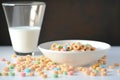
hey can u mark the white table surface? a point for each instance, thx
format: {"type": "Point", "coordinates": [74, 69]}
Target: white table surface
{"type": "Point", "coordinates": [113, 57]}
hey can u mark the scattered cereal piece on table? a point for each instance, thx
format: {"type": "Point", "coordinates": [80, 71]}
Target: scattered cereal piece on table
{"type": "Point", "coordinates": [60, 72]}
{"type": "Point", "coordinates": [40, 72]}
{"type": "Point", "coordinates": [22, 74]}
{"type": "Point", "coordinates": [71, 68]}
{"type": "Point", "coordinates": [3, 59]}
{"type": "Point", "coordinates": [93, 74]}
{"type": "Point", "coordinates": [0, 74]}
{"type": "Point", "coordinates": [14, 56]}
{"type": "Point", "coordinates": [118, 71]}
{"type": "Point", "coordinates": [18, 69]}
{"type": "Point", "coordinates": [102, 65]}
{"type": "Point", "coordinates": [27, 70]}
{"type": "Point", "coordinates": [11, 74]}
{"type": "Point", "coordinates": [98, 68]}
{"type": "Point", "coordinates": [55, 75]}
{"type": "Point", "coordinates": [11, 67]}
{"type": "Point", "coordinates": [12, 64]}
{"type": "Point", "coordinates": [56, 68]}
{"type": "Point", "coordinates": [55, 72]}
{"type": "Point", "coordinates": [103, 73]}
{"type": "Point", "coordinates": [96, 71]}
{"type": "Point", "coordinates": [87, 72]}
{"type": "Point", "coordinates": [70, 73]}
{"type": "Point", "coordinates": [103, 70]}
{"type": "Point", "coordinates": [116, 64]}
{"type": "Point", "coordinates": [8, 62]}
{"type": "Point", "coordinates": [52, 67]}
{"type": "Point", "coordinates": [6, 69]}
{"type": "Point", "coordinates": [4, 73]}
{"type": "Point", "coordinates": [64, 73]}
{"type": "Point", "coordinates": [111, 67]}
{"type": "Point", "coordinates": [31, 74]}
{"type": "Point", "coordinates": [79, 68]}
{"type": "Point", "coordinates": [43, 76]}
{"type": "Point", "coordinates": [29, 65]}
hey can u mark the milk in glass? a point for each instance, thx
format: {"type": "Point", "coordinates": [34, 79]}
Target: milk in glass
{"type": "Point", "coordinates": [24, 39]}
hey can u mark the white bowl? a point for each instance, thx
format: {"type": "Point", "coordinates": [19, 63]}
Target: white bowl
{"type": "Point", "coordinates": [75, 58]}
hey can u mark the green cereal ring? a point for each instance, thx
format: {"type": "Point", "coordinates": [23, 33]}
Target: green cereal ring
{"type": "Point", "coordinates": [53, 62]}
{"type": "Point", "coordinates": [64, 73]}
{"type": "Point", "coordinates": [0, 74]}
{"type": "Point", "coordinates": [11, 74]}
{"type": "Point", "coordinates": [37, 62]}
{"type": "Point", "coordinates": [59, 46]}
{"type": "Point", "coordinates": [11, 67]}
{"type": "Point", "coordinates": [96, 71]}
{"type": "Point", "coordinates": [88, 45]}
{"type": "Point", "coordinates": [55, 75]}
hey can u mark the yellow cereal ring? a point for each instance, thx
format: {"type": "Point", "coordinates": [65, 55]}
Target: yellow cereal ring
{"type": "Point", "coordinates": [53, 46]}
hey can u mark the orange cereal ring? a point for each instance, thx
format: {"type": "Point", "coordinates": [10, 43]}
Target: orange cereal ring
{"type": "Point", "coordinates": [6, 69]}
{"type": "Point", "coordinates": [43, 76]}
{"type": "Point", "coordinates": [82, 47]}
{"type": "Point", "coordinates": [4, 73]}
{"type": "Point", "coordinates": [93, 48]}
{"type": "Point", "coordinates": [76, 47]}
{"type": "Point", "coordinates": [93, 74]}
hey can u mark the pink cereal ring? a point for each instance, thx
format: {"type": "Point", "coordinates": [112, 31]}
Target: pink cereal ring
{"type": "Point", "coordinates": [63, 49]}
{"type": "Point", "coordinates": [17, 62]}
{"type": "Point", "coordinates": [3, 59]}
{"type": "Point", "coordinates": [70, 73]}
{"type": "Point", "coordinates": [52, 67]}
{"type": "Point", "coordinates": [22, 74]}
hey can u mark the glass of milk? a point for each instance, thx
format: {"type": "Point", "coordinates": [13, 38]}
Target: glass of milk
{"type": "Point", "coordinates": [24, 20]}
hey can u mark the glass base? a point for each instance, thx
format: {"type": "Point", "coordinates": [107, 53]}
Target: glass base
{"type": "Point", "coordinates": [23, 54]}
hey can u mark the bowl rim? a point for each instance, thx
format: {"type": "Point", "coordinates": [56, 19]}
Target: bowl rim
{"type": "Point", "coordinates": [68, 52]}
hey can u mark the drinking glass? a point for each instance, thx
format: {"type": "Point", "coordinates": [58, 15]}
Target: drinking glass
{"type": "Point", "coordinates": [24, 20]}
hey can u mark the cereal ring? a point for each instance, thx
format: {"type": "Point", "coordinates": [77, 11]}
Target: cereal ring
{"type": "Point", "coordinates": [6, 69]}
{"type": "Point", "coordinates": [76, 47]}
{"type": "Point", "coordinates": [111, 67]}
{"type": "Point", "coordinates": [31, 74]}
{"type": "Point", "coordinates": [53, 46]}
{"type": "Point", "coordinates": [116, 64]}
{"type": "Point", "coordinates": [3, 59]}
{"type": "Point", "coordinates": [43, 76]}
{"type": "Point", "coordinates": [70, 73]}
{"type": "Point", "coordinates": [82, 47]}
{"type": "Point", "coordinates": [11, 74]}
{"type": "Point", "coordinates": [8, 62]}
{"type": "Point", "coordinates": [93, 74]}
{"type": "Point", "coordinates": [55, 75]}
{"type": "Point", "coordinates": [4, 73]}
{"type": "Point", "coordinates": [103, 73]}
{"type": "Point", "coordinates": [22, 74]}
{"type": "Point", "coordinates": [118, 71]}
{"type": "Point", "coordinates": [69, 48]}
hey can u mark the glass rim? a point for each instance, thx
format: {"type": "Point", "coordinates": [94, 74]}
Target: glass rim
{"type": "Point", "coordinates": [23, 3]}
